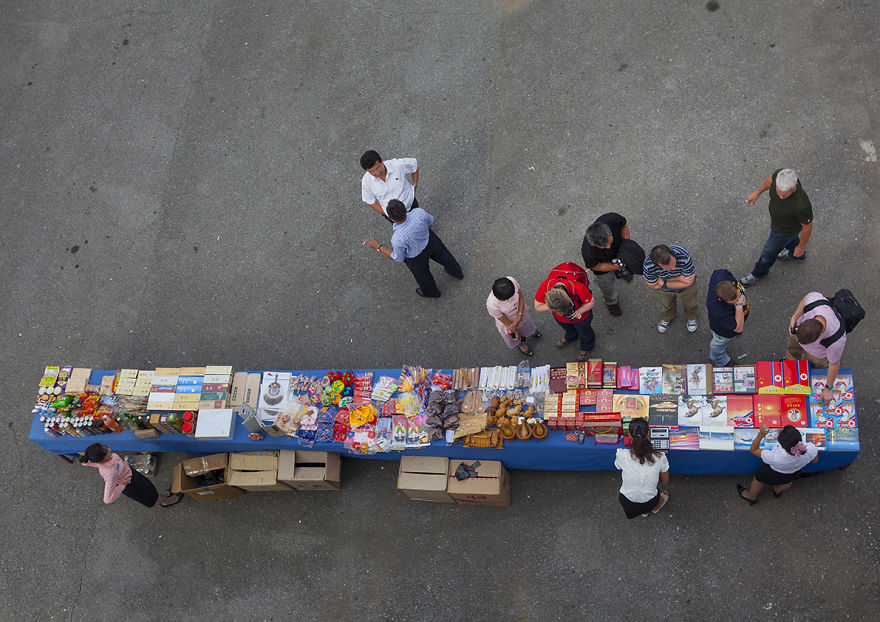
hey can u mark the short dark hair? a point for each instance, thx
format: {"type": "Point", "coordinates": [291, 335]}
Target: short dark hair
{"type": "Point", "coordinates": [726, 291]}
{"type": "Point", "coordinates": [789, 436]}
{"type": "Point", "coordinates": [661, 254]}
{"type": "Point", "coordinates": [809, 331]}
{"type": "Point", "coordinates": [396, 210]}
{"type": "Point", "coordinates": [369, 159]}
{"type": "Point", "coordinates": [598, 234]}
{"type": "Point", "coordinates": [503, 288]}
{"type": "Point", "coordinates": [96, 452]}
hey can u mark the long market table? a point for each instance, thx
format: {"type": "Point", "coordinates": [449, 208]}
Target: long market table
{"type": "Point", "coordinates": [552, 454]}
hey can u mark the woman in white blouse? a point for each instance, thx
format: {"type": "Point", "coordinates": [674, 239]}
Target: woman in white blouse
{"type": "Point", "coordinates": [642, 468]}
{"type": "Point", "coordinates": [782, 464]}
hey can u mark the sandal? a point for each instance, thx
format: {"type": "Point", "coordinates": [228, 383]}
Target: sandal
{"type": "Point", "coordinates": [739, 491]}
{"type": "Point", "coordinates": [528, 351]}
{"type": "Point", "coordinates": [583, 355]}
{"type": "Point", "coordinates": [562, 343]}
{"type": "Point", "coordinates": [537, 335]}
{"type": "Point", "coordinates": [664, 497]}
{"type": "Point", "coordinates": [178, 496]}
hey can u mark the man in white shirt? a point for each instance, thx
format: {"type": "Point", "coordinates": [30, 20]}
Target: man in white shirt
{"type": "Point", "coordinates": [386, 180]}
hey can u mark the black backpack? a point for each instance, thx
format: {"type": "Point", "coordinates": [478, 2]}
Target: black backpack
{"type": "Point", "coordinates": [847, 309]}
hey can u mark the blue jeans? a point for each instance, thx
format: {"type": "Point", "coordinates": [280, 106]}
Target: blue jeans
{"type": "Point", "coordinates": [718, 350]}
{"type": "Point", "coordinates": [774, 244]}
{"type": "Point", "coordinates": [583, 329]}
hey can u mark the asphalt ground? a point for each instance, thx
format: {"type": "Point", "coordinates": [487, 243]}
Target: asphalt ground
{"type": "Point", "coordinates": [180, 185]}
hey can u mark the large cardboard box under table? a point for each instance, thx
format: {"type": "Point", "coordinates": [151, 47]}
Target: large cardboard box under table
{"type": "Point", "coordinates": [309, 470]}
{"type": "Point", "coordinates": [490, 487]}
{"type": "Point", "coordinates": [255, 471]}
{"type": "Point", "coordinates": [423, 478]}
{"type": "Point", "coordinates": [184, 478]}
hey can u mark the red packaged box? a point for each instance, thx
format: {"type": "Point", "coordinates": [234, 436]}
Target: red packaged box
{"type": "Point", "coordinates": [594, 373]}
{"type": "Point", "coordinates": [605, 400]}
{"type": "Point", "coordinates": [587, 397]}
{"type": "Point", "coordinates": [768, 377]}
{"type": "Point", "coordinates": [794, 411]}
{"type": "Point", "coordinates": [796, 377]}
{"type": "Point", "coordinates": [623, 377]}
{"type": "Point", "coordinates": [601, 422]}
{"type": "Point", "coordinates": [768, 411]}
{"type": "Point", "coordinates": [740, 411]}
{"type": "Point", "coordinates": [609, 375]}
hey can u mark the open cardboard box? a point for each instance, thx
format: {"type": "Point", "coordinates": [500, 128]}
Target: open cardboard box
{"type": "Point", "coordinates": [423, 478]}
{"type": "Point", "coordinates": [255, 471]}
{"type": "Point", "coordinates": [183, 478]}
{"type": "Point", "coordinates": [309, 470]}
{"type": "Point", "coordinates": [490, 487]}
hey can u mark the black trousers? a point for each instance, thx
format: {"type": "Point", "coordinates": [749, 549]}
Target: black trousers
{"type": "Point", "coordinates": [421, 271]}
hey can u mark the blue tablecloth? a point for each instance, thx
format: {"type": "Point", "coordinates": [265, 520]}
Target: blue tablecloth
{"type": "Point", "coordinates": [552, 454]}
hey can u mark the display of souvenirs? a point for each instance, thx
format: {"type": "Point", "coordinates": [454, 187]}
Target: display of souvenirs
{"type": "Point", "coordinates": [674, 379]}
{"type": "Point", "coordinates": [842, 391]}
{"type": "Point", "coordinates": [718, 439]}
{"type": "Point", "coordinates": [740, 411]}
{"type": "Point", "coordinates": [768, 411]}
{"type": "Point", "coordinates": [609, 375]}
{"type": "Point", "coordinates": [722, 380]}
{"type": "Point", "coordinates": [768, 377]}
{"type": "Point", "coordinates": [594, 373]}
{"type": "Point", "coordinates": [715, 412]}
{"type": "Point", "coordinates": [796, 377]}
{"type": "Point", "coordinates": [690, 409]}
{"type": "Point", "coordinates": [587, 397]}
{"type": "Point", "coordinates": [743, 378]}
{"type": "Point", "coordinates": [605, 400]}
{"type": "Point", "coordinates": [623, 377]}
{"type": "Point", "coordinates": [794, 411]}
{"type": "Point", "coordinates": [699, 379]}
{"type": "Point", "coordinates": [683, 437]}
{"type": "Point", "coordinates": [817, 436]}
{"type": "Point", "coordinates": [841, 416]}
{"type": "Point", "coordinates": [841, 439]}
{"type": "Point", "coordinates": [630, 406]}
{"type": "Point", "coordinates": [650, 380]}
{"type": "Point", "coordinates": [663, 409]}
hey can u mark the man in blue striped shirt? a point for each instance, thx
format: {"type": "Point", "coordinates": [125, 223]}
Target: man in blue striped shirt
{"type": "Point", "coordinates": [413, 243]}
{"type": "Point", "coordinates": [670, 271]}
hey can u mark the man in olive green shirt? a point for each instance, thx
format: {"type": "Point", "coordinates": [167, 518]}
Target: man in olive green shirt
{"type": "Point", "coordinates": [791, 223]}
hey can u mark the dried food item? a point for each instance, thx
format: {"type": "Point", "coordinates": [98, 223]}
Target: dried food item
{"type": "Point", "coordinates": [436, 434]}
{"type": "Point", "coordinates": [435, 421]}
{"type": "Point", "coordinates": [451, 409]}
{"type": "Point", "coordinates": [451, 421]}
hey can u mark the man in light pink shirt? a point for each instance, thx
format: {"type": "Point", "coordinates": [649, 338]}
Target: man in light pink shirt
{"type": "Point", "coordinates": [816, 335]}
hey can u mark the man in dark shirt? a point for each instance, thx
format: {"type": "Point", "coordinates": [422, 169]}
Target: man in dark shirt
{"type": "Point", "coordinates": [728, 309]}
{"type": "Point", "coordinates": [610, 253]}
{"type": "Point", "coordinates": [791, 223]}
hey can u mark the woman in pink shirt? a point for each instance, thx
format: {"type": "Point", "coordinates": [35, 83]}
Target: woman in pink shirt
{"type": "Point", "coordinates": [120, 479]}
{"type": "Point", "coordinates": [507, 305]}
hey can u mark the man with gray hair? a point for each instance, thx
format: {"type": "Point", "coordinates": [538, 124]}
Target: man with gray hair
{"type": "Point", "coordinates": [791, 223]}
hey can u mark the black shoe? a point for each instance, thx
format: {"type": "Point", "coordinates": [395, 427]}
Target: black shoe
{"type": "Point", "coordinates": [741, 489]}
{"type": "Point", "coordinates": [424, 295]}
{"type": "Point", "coordinates": [458, 276]}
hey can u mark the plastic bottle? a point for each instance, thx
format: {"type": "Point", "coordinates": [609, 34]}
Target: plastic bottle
{"type": "Point", "coordinates": [111, 424]}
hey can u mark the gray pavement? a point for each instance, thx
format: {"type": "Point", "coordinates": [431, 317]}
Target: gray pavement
{"type": "Point", "coordinates": [180, 185]}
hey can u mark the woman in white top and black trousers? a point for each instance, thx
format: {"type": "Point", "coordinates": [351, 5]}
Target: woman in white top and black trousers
{"type": "Point", "coordinates": [782, 464]}
{"type": "Point", "coordinates": [642, 468]}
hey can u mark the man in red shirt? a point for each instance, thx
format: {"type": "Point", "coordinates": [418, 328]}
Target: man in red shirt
{"type": "Point", "coordinates": [565, 292]}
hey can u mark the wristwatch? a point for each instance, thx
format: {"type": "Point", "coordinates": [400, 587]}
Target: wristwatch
{"type": "Point", "coordinates": [379, 248]}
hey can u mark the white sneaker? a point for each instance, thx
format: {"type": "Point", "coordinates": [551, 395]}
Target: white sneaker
{"type": "Point", "coordinates": [692, 326]}
{"type": "Point", "coordinates": [662, 327]}
{"type": "Point", "coordinates": [749, 280]}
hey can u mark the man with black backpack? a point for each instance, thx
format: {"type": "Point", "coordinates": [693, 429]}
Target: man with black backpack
{"type": "Point", "coordinates": [610, 253]}
{"type": "Point", "coordinates": [817, 332]}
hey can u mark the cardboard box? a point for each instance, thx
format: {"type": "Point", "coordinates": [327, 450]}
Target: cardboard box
{"type": "Point", "coordinates": [490, 487]}
{"type": "Point", "coordinates": [252, 390]}
{"type": "Point", "coordinates": [309, 470]}
{"type": "Point", "coordinates": [236, 394]}
{"type": "Point", "coordinates": [255, 471]}
{"type": "Point", "coordinates": [423, 478]}
{"type": "Point", "coordinates": [183, 478]}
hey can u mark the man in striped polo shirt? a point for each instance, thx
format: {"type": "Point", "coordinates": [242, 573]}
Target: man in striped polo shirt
{"type": "Point", "coordinates": [670, 271]}
{"type": "Point", "coordinates": [413, 243]}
